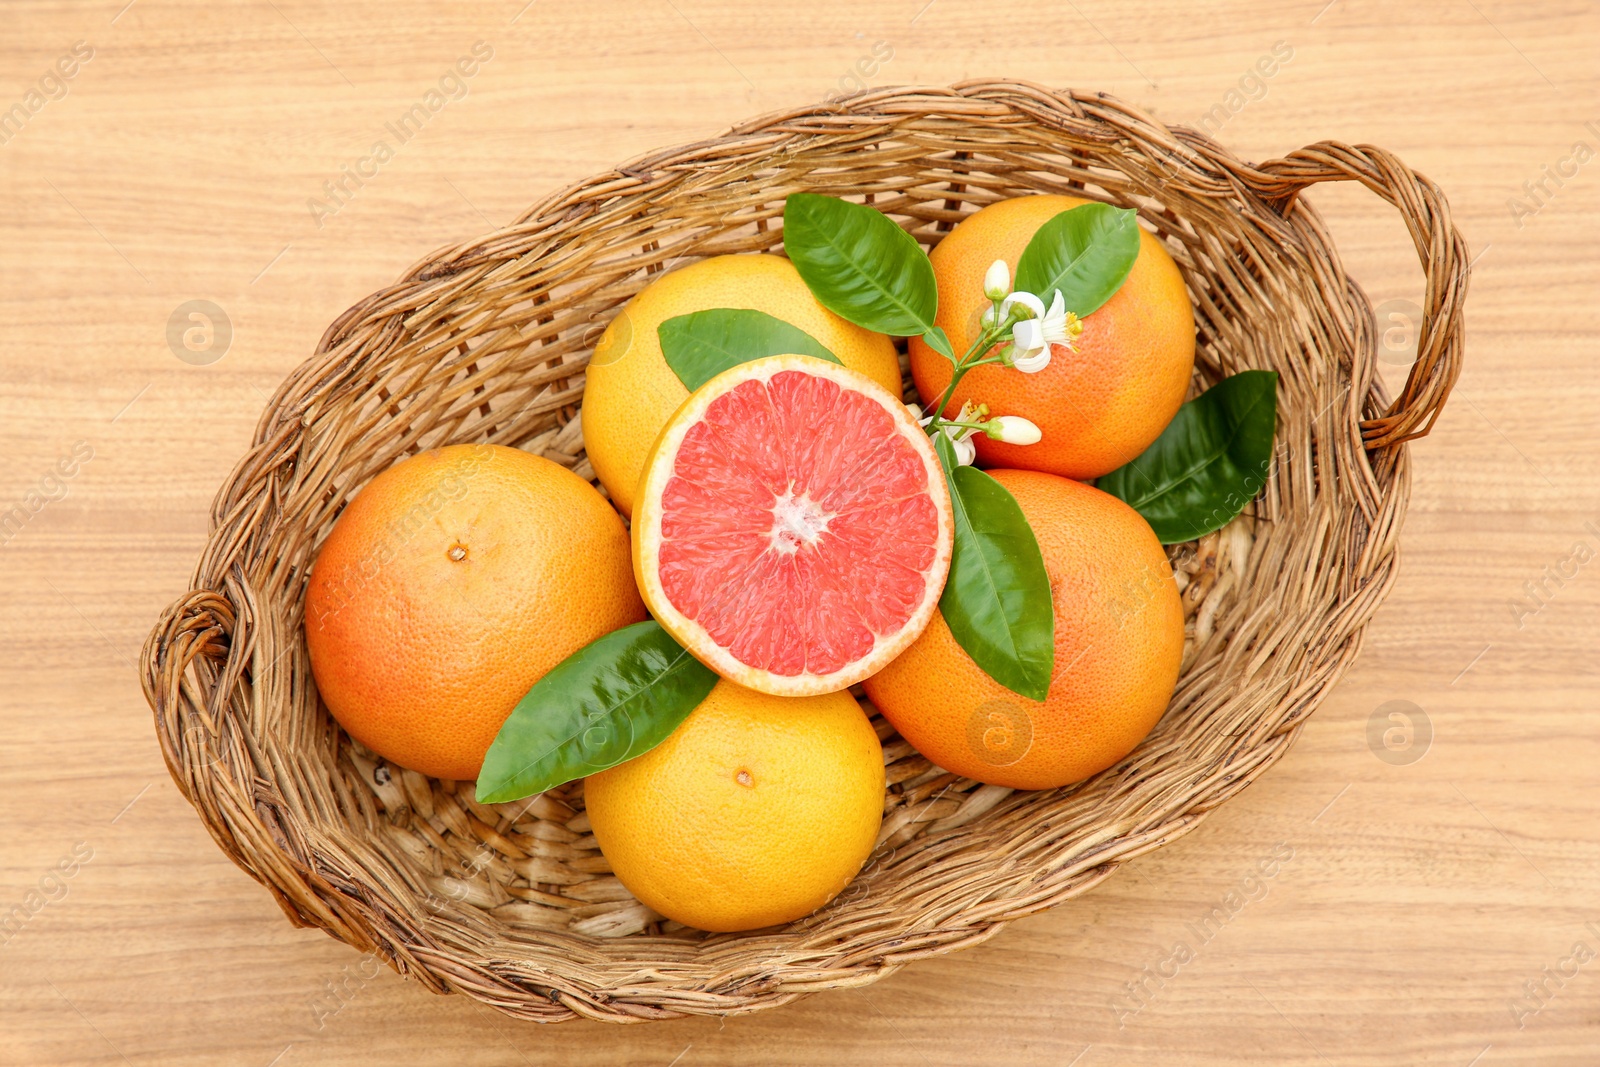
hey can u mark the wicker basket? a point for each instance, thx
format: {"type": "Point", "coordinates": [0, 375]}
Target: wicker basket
{"type": "Point", "coordinates": [487, 341]}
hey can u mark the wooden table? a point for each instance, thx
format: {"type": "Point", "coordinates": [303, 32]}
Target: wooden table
{"type": "Point", "coordinates": [1420, 899]}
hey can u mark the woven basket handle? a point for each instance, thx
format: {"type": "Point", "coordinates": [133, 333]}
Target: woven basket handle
{"type": "Point", "coordinates": [1440, 246]}
{"type": "Point", "coordinates": [198, 625]}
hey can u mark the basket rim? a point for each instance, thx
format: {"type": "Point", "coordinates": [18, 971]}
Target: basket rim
{"type": "Point", "coordinates": [200, 625]}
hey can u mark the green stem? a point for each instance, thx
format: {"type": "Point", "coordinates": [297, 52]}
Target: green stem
{"type": "Point", "coordinates": [986, 340]}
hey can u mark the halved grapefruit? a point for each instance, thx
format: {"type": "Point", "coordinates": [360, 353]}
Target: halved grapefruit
{"type": "Point", "coordinates": [792, 528]}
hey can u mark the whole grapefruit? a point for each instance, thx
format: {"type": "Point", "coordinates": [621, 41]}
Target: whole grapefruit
{"type": "Point", "coordinates": [630, 391]}
{"type": "Point", "coordinates": [1118, 645]}
{"type": "Point", "coordinates": [1097, 407]}
{"type": "Point", "coordinates": [450, 584]}
{"type": "Point", "coordinates": [757, 810]}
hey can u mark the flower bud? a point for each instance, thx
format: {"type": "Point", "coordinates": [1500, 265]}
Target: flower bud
{"type": "Point", "coordinates": [997, 280]}
{"type": "Point", "coordinates": [1014, 430]}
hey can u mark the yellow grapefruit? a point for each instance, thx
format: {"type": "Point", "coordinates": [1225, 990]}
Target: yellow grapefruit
{"type": "Point", "coordinates": [757, 810]}
{"type": "Point", "coordinates": [630, 392]}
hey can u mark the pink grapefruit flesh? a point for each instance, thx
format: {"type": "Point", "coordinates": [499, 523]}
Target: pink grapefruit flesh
{"type": "Point", "coordinates": [792, 527]}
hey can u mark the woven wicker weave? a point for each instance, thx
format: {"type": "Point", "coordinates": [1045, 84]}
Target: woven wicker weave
{"type": "Point", "coordinates": [513, 904]}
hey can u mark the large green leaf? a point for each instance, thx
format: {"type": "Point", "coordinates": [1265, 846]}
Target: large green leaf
{"type": "Point", "coordinates": [1210, 461]}
{"type": "Point", "coordinates": [997, 598]}
{"type": "Point", "coordinates": [614, 699]}
{"type": "Point", "coordinates": [861, 266]}
{"type": "Point", "coordinates": [701, 345]}
{"type": "Point", "coordinates": [1086, 252]}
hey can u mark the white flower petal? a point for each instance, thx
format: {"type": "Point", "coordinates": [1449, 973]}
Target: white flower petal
{"type": "Point", "coordinates": [1028, 335]}
{"type": "Point", "coordinates": [1055, 319]}
{"type": "Point", "coordinates": [966, 452]}
{"type": "Point", "coordinates": [1030, 347]}
{"type": "Point", "coordinates": [1027, 300]}
{"type": "Point", "coordinates": [1033, 362]}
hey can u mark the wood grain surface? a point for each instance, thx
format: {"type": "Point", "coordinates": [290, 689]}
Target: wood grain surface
{"type": "Point", "coordinates": [1432, 901]}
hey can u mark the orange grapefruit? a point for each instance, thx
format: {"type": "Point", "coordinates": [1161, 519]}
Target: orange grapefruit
{"type": "Point", "coordinates": [630, 392]}
{"type": "Point", "coordinates": [1097, 407]}
{"type": "Point", "coordinates": [1118, 644]}
{"type": "Point", "coordinates": [450, 584]}
{"type": "Point", "coordinates": [756, 810]}
{"type": "Point", "coordinates": [792, 528]}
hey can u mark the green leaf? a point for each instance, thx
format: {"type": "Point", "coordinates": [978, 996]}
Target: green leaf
{"type": "Point", "coordinates": [701, 345]}
{"type": "Point", "coordinates": [614, 699]}
{"type": "Point", "coordinates": [997, 599]}
{"type": "Point", "coordinates": [1210, 461]}
{"type": "Point", "coordinates": [860, 265]}
{"type": "Point", "coordinates": [1086, 252]}
{"type": "Point", "coordinates": [939, 341]}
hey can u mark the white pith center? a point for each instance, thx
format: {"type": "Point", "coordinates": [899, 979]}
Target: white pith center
{"type": "Point", "coordinates": [797, 521]}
